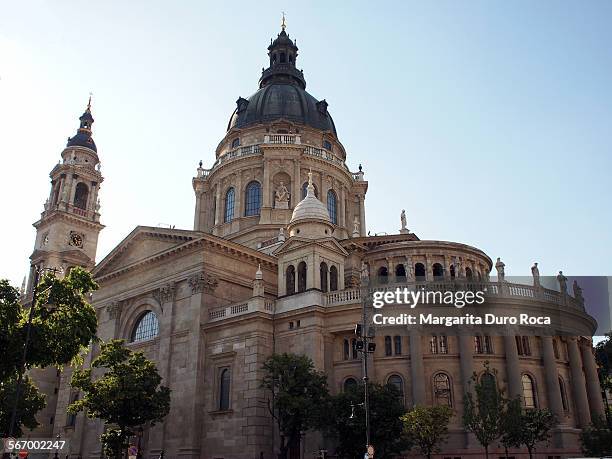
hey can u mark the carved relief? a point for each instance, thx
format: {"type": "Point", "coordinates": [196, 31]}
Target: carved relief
{"type": "Point", "coordinates": [165, 293]}
{"type": "Point", "coordinates": [114, 310]}
{"type": "Point", "coordinates": [203, 282]}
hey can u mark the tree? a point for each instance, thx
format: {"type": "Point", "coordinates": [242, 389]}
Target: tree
{"type": "Point", "coordinates": [596, 438]}
{"type": "Point", "coordinates": [511, 424]}
{"type": "Point", "coordinates": [345, 421]}
{"type": "Point", "coordinates": [483, 414]}
{"type": "Point", "coordinates": [297, 393]}
{"type": "Point", "coordinates": [31, 402]}
{"type": "Point", "coordinates": [535, 426]}
{"type": "Point", "coordinates": [63, 324]}
{"type": "Point", "coordinates": [603, 356]}
{"type": "Point", "coordinates": [127, 395]}
{"type": "Point", "coordinates": [426, 427]}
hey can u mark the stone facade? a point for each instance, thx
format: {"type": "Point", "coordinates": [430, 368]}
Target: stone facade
{"type": "Point", "coordinates": [257, 276]}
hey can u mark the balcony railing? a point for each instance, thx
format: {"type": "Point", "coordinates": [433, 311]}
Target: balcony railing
{"type": "Point", "coordinates": [283, 138]}
{"type": "Point", "coordinates": [238, 309]}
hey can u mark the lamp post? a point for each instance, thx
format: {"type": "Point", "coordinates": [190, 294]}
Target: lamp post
{"type": "Point", "coordinates": [365, 344]}
{"type": "Point", "coordinates": [22, 367]}
{"type": "Point", "coordinates": [139, 434]}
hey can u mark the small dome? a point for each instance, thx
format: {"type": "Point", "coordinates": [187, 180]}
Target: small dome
{"type": "Point", "coordinates": [310, 207]}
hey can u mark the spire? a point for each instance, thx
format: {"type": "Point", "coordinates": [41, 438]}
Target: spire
{"type": "Point", "coordinates": [283, 25]}
{"type": "Point", "coordinates": [283, 54]}
{"type": "Point", "coordinates": [83, 136]}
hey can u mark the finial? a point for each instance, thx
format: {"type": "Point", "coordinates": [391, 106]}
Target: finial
{"type": "Point", "coordinates": [360, 168]}
{"type": "Point", "coordinates": [310, 177]}
{"type": "Point", "coordinates": [283, 23]}
{"type": "Point", "coordinates": [89, 102]}
{"type": "Point", "coordinates": [258, 273]}
{"type": "Point", "coordinates": [200, 163]}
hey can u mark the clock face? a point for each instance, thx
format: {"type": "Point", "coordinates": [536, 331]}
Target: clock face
{"type": "Point", "coordinates": [75, 239]}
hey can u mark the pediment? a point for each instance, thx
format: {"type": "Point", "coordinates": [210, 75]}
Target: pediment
{"type": "Point", "coordinates": [298, 243]}
{"type": "Point", "coordinates": [142, 243]}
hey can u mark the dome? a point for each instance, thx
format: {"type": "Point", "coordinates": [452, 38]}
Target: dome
{"type": "Point", "coordinates": [83, 136]}
{"type": "Point", "coordinates": [310, 207]}
{"type": "Point", "coordinates": [282, 100]}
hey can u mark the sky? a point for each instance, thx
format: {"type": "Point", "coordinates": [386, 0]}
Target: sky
{"type": "Point", "coordinates": [488, 121]}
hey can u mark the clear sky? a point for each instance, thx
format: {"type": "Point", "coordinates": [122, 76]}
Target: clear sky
{"type": "Point", "coordinates": [489, 122]}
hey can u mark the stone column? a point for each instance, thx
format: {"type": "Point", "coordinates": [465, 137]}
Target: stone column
{"type": "Point", "coordinates": [390, 269]}
{"type": "Point", "coordinates": [416, 369]}
{"type": "Point", "coordinates": [592, 381]}
{"type": "Point", "coordinates": [362, 222]}
{"type": "Point", "coordinates": [297, 196]}
{"type": "Point", "coordinates": [512, 367]}
{"type": "Point", "coordinates": [578, 384]}
{"type": "Point", "coordinates": [341, 207]}
{"type": "Point", "coordinates": [553, 391]}
{"type": "Point", "coordinates": [466, 354]}
{"type": "Point", "coordinates": [198, 209]}
{"type": "Point", "coordinates": [267, 186]}
{"type": "Point", "coordinates": [239, 193]}
{"type": "Point", "coordinates": [218, 207]}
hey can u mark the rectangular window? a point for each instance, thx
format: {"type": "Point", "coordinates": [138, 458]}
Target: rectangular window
{"type": "Point", "coordinates": [388, 346]}
{"type": "Point", "coordinates": [443, 344]}
{"type": "Point", "coordinates": [433, 344]}
{"type": "Point", "coordinates": [397, 341]}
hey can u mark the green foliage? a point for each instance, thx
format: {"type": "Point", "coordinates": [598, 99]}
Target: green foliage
{"type": "Point", "coordinates": [482, 414]}
{"type": "Point", "coordinates": [112, 443]}
{"type": "Point", "coordinates": [63, 324]}
{"type": "Point", "coordinates": [511, 424]}
{"type": "Point", "coordinates": [386, 432]}
{"type": "Point", "coordinates": [297, 393]}
{"type": "Point", "coordinates": [596, 438]}
{"type": "Point", "coordinates": [32, 401]}
{"type": "Point", "coordinates": [128, 394]}
{"type": "Point", "coordinates": [535, 427]}
{"type": "Point", "coordinates": [426, 427]}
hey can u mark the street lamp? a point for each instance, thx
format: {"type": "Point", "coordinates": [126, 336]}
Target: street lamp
{"type": "Point", "coordinates": [22, 367]}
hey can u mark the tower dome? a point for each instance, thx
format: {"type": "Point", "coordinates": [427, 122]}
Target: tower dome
{"type": "Point", "coordinates": [310, 216]}
{"type": "Point", "coordinates": [83, 136]}
{"type": "Point", "coordinates": [282, 93]}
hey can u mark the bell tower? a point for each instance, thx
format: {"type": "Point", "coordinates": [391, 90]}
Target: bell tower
{"type": "Point", "coordinates": [68, 228]}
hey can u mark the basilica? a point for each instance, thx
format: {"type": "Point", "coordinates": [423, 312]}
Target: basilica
{"type": "Point", "coordinates": [275, 262]}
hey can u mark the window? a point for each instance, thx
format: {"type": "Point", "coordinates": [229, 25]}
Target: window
{"type": "Point", "coordinates": [383, 275]}
{"type": "Point", "coordinates": [80, 196]}
{"type": "Point", "coordinates": [452, 271]}
{"type": "Point", "coordinates": [230, 198]}
{"type": "Point", "coordinates": [290, 280]}
{"type": "Point", "coordinates": [302, 277]}
{"type": "Point", "coordinates": [146, 328]}
{"type": "Point", "coordinates": [291, 325]}
{"type": "Point", "coordinates": [71, 419]}
{"type": "Point", "coordinates": [236, 142]}
{"type": "Point", "coordinates": [563, 394]}
{"type": "Point", "coordinates": [488, 379]}
{"type": "Point", "coordinates": [522, 345]}
{"type": "Point", "coordinates": [253, 199]}
{"type": "Point", "coordinates": [305, 189]}
{"type": "Point", "coordinates": [468, 273]}
{"type": "Point", "coordinates": [332, 203]}
{"type": "Point", "coordinates": [443, 344]}
{"type": "Point", "coordinates": [397, 345]}
{"type": "Point", "coordinates": [529, 396]}
{"type": "Point", "coordinates": [488, 347]}
{"type": "Point", "coordinates": [224, 389]}
{"type": "Point", "coordinates": [478, 344]}
{"type": "Point", "coordinates": [419, 271]}
{"type": "Point", "coordinates": [433, 344]}
{"type": "Point", "coordinates": [346, 349]}
{"type": "Point", "coordinates": [388, 350]}
{"type": "Point", "coordinates": [483, 345]}
{"type": "Point", "coordinates": [397, 382]}
{"type": "Point", "coordinates": [327, 145]}
{"type": "Point", "coordinates": [442, 390]}
{"type": "Point", "coordinates": [323, 271]}
{"type": "Point", "coordinates": [333, 279]}
{"type": "Point", "coordinates": [438, 271]}
{"type": "Point", "coordinates": [349, 383]}
{"type": "Point", "coordinates": [400, 273]}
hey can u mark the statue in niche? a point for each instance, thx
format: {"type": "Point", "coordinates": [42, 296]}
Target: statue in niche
{"type": "Point", "coordinates": [356, 232]}
{"type": "Point", "coordinates": [281, 196]}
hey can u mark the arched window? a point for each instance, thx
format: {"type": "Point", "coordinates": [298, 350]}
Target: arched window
{"type": "Point", "coordinates": [529, 396]}
{"type": "Point", "coordinates": [349, 383]}
{"type": "Point", "coordinates": [563, 394]}
{"type": "Point", "coordinates": [419, 271]}
{"type": "Point", "coordinates": [332, 204]}
{"type": "Point", "coordinates": [290, 280]}
{"type": "Point", "coordinates": [224, 389]}
{"type": "Point", "coordinates": [146, 328]}
{"type": "Point", "coordinates": [488, 379]}
{"type": "Point", "coordinates": [400, 273]}
{"type": "Point", "coordinates": [383, 275]}
{"type": "Point", "coordinates": [452, 271]}
{"type": "Point", "coordinates": [283, 58]}
{"type": "Point", "coordinates": [346, 349]}
{"type": "Point", "coordinates": [333, 279]}
{"type": "Point", "coordinates": [397, 382]}
{"type": "Point", "coordinates": [80, 196]}
{"type": "Point", "coordinates": [236, 142]}
{"type": "Point", "coordinates": [253, 199]}
{"type": "Point", "coordinates": [305, 189]}
{"type": "Point", "coordinates": [442, 389]}
{"type": "Point", "coordinates": [468, 273]}
{"type": "Point", "coordinates": [302, 277]}
{"type": "Point", "coordinates": [230, 198]}
{"type": "Point", "coordinates": [438, 271]}
{"type": "Point", "coordinates": [323, 271]}
{"type": "Point", "coordinates": [397, 345]}
{"type": "Point", "coordinates": [388, 349]}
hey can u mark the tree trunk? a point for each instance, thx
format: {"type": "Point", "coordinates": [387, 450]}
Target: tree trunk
{"type": "Point", "coordinates": [487, 451]}
{"type": "Point", "coordinates": [530, 452]}
{"type": "Point", "coordinates": [506, 450]}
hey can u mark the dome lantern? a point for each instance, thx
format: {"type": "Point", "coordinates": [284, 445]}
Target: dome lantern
{"type": "Point", "coordinates": [83, 136]}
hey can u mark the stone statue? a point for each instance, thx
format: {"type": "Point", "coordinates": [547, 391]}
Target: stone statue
{"type": "Point", "coordinates": [365, 272]}
{"type": "Point", "coordinates": [562, 283]}
{"type": "Point", "coordinates": [98, 205]}
{"type": "Point", "coordinates": [65, 191]}
{"type": "Point", "coordinates": [458, 267]}
{"type": "Point", "coordinates": [535, 272]}
{"type": "Point", "coordinates": [578, 292]}
{"type": "Point", "coordinates": [403, 219]}
{"type": "Point", "coordinates": [356, 232]}
{"type": "Point", "coordinates": [500, 265]}
{"type": "Point", "coordinates": [281, 234]}
{"type": "Point", "coordinates": [281, 195]}
{"type": "Point", "coordinates": [47, 204]}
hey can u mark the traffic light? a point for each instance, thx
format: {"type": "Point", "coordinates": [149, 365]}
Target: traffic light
{"type": "Point", "coordinates": [358, 329]}
{"type": "Point", "coordinates": [359, 345]}
{"type": "Point", "coordinates": [371, 347]}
